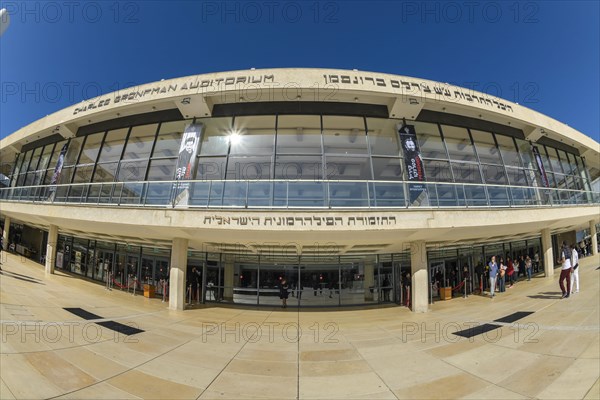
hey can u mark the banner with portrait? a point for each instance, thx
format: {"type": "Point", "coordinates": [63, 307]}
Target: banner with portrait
{"type": "Point", "coordinates": [540, 166]}
{"type": "Point", "coordinates": [413, 163]}
{"type": "Point", "coordinates": [187, 162]}
{"type": "Point", "coordinates": [57, 171]}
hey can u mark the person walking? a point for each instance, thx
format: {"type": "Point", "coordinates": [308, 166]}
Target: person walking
{"type": "Point", "coordinates": [493, 270]}
{"type": "Point", "coordinates": [510, 272]}
{"type": "Point", "coordinates": [283, 292]}
{"type": "Point", "coordinates": [528, 267]}
{"type": "Point", "coordinates": [565, 273]}
{"type": "Point", "coordinates": [502, 278]}
{"type": "Point", "coordinates": [575, 273]}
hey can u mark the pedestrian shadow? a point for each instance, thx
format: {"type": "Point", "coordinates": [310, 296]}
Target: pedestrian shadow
{"type": "Point", "coordinates": [21, 277]}
{"type": "Point", "coordinates": [547, 295]}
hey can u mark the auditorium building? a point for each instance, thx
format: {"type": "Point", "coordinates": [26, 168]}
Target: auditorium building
{"type": "Point", "coordinates": [356, 188]}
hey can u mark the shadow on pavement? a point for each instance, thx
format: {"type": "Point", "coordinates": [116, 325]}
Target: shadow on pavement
{"type": "Point", "coordinates": [547, 295]}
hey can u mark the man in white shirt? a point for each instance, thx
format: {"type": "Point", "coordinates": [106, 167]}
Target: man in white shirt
{"type": "Point", "coordinates": [565, 273]}
{"type": "Point", "coordinates": [575, 273]}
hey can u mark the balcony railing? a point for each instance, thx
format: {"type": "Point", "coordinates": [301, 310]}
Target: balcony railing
{"type": "Point", "coordinates": [309, 194]}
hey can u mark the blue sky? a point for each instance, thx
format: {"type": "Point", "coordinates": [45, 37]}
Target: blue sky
{"type": "Point", "coordinates": [544, 55]}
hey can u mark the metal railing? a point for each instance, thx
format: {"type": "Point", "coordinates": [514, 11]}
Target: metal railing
{"type": "Point", "coordinates": [310, 194]}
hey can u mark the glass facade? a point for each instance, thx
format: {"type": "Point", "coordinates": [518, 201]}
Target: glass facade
{"type": "Point", "coordinates": [301, 161]}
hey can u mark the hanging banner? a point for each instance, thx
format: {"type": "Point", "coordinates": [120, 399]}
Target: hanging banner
{"type": "Point", "coordinates": [540, 165]}
{"type": "Point", "coordinates": [413, 162]}
{"type": "Point", "coordinates": [185, 169]}
{"type": "Point", "coordinates": [57, 171]}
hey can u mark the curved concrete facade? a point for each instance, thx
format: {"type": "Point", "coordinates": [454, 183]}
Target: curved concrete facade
{"type": "Point", "coordinates": [471, 200]}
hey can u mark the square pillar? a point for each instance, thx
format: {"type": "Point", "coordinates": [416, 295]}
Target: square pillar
{"type": "Point", "coordinates": [228, 277]}
{"type": "Point", "coordinates": [177, 274]}
{"type": "Point", "coordinates": [420, 277]}
{"type": "Point", "coordinates": [548, 253]}
{"type": "Point", "coordinates": [593, 232]}
{"type": "Point", "coordinates": [369, 280]}
{"type": "Point", "coordinates": [5, 233]}
{"type": "Point", "coordinates": [51, 249]}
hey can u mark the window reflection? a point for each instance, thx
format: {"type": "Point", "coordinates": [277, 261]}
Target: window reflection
{"type": "Point", "coordinates": [458, 143]}
{"type": "Point", "coordinates": [382, 136]}
{"type": "Point", "coordinates": [430, 141]}
{"type": "Point", "coordinates": [257, 135]}
{"type": "Point", "coordinates": [113, 145]}
{"type": "Point", "coordinates": [486, 147]}
{"type": "Point", "coordinates": [344, 135]}
{"type": "Point", "coordinates": [140, 142]}
{"type": "Point", "coordinates": [299, 134]}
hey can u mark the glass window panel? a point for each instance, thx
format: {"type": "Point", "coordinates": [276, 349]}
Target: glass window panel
{"type": "Point", "coordinates": [131, 171]}
{"type": "Point", "coordinates": [466, 172]}
{"type": "Point", "coordinates": [458, 143]}
{"type": "Point", "coordinates": [516, 176]}
{"type": "Point", "coordinates": [113, 145]}
{"type": "Point", "coordinates": [91, 147]}
{"type": "Point", "coordinates": [211, 168]}
{"type": "Point", "coordinates": [245, 168]}
{"type": "Point", "coordinates": [106, 172]}
{"type": "Point", "coordinates": [48, 177]}
{"type": "Point", "coordinates": [65, 175]}
{"type": "Point", "coordinates": [509, 151]}
{"type": "Point", "coordinates": [387, 169]}
{"type": "Point", "coordinates": [46, 155]}
{"type": "Point", "coordinates": [526, 154]}
{"type": "Point", "coordinates": [299, 134]}
{"type": "Point", "coordinates": [486, 148]}
{"type": "Point", "coordinates": [437, 171]}
{"type": "Point", "coordinates": [162, 170]}
{"type": "Point", "coordinates": [56, 153]}
{"type": "Point", "coordinates": [351, 194]}
{"type": "Point", "coordinates": [215, 138]}
{"type": "Point", "coordinates": [344, 135]}
{"type": "Point", "coordinates": [199, 193]}
{"type": "Point", "coordinates": [29, 179]}
{"type": "Point", "coordinates": [256, 135]}
{"type": "Point", "coordinates": [234, 194]}
{"type": "Point", "coordinates": [73, 151]}
{"type": "Point", "coordinates": [35, 159]}
{"type": "Point", "coordinates": [259, 194]}
{"type": "Point", "coordinates": [564, 161]}
{"type": "Point", "coordinates": [446, 195]}
{"type": "Point", "coordinates": [561, 181]}
{"type": "Point", "coordinates": [306, 194]}
{"type": "Point", "coordinates": [498, 196]}
{"type": "Point", "coordinates": [83, 174]}
{"type": "Point", "coordinates": [382, 136]}
{"type": "Point", "coordinates": [139, 144]}
{"type": "Point", "coordinates": [387, 194]}
{"type": "Point", "coordinates": [430, 141]}
{"type": "Point", "coordinates": [26, 161]}
{"type": "Point", "coordinates": [475, 195]}
{"type": "Point", "coordinates": [169, 138]}
{"type": "Point", "coordinates": [494, 174]}
{"type": "Point", "coordinates": [348, 168]}
{"type": "Point", "coordinates": [556, 167]}
{"type": "Point", "coordinates": [299, 168]}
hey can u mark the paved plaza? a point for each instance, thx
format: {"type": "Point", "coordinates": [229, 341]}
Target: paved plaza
{"type": "Point", "coordinates": [63, 337]}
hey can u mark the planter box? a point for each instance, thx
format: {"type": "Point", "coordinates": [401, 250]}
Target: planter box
{"type": "Point", "coordinates": [446, 293]}
{"type": "Point", "coordinates": [149, 290]}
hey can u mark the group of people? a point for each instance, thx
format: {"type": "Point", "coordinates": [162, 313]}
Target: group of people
{"type": "Point", "coordinates": [500, 272]}
{"type": "Point", "coordinates": [569, 261]}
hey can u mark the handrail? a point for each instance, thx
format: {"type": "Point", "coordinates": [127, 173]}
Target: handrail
{"type": "Point", "coordinates": [279, 193]}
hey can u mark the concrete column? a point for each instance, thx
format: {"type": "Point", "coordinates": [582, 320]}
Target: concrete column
{"type": "Point", "coordinates": [593, 232]}
{"type": "Point", "coordinates": [548, 253]}
{"type": "Point", "coordinates": [51, 249]}
{"type": "Point", "coordinates": [228, 280]}
{"type": "Point", "coordinates": [5, 233]}
{"type": "Point", "coordinates": [369, 280]}
{"type": "Point", "coordinates": [420, 277]}
{"type": "Point", "coordinates": [177, 274]}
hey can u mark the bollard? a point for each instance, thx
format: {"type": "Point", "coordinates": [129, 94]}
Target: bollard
{"type": "Point", "coordinates": [190, 294]}
{"type": "Point", "coordinates": [465, 285]}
